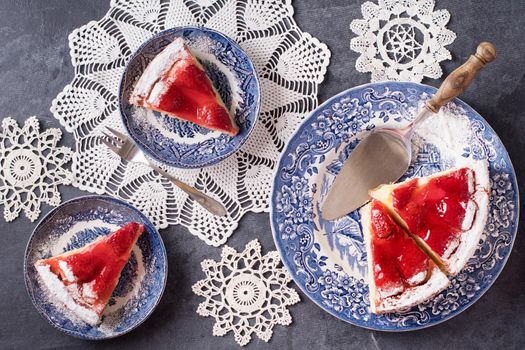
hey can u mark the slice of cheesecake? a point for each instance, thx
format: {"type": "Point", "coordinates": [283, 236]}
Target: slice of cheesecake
{"type": "Point", "coordinates": [400, 275]}
{"type": "Point", "coordinates": [445, 212]}
{"type": "Point", "coordinates": [83, 279]}
{"type": "Point", "coordinates": [175, 83]}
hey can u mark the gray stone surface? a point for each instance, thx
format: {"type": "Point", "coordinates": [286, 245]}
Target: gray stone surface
{"type": "Point", "coordinates": [34, 67]}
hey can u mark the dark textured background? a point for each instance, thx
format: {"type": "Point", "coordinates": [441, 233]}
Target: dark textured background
{"type": "Point", "coordinates": [35, 66]}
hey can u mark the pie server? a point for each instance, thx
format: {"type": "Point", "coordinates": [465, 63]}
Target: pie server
{"type": "Point", "coordinates": [384, 156]}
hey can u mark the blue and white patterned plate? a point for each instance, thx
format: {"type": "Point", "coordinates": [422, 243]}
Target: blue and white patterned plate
{"type": "Point", "coordinates": [184, 144]}
{"type": "Point", "coordinates": [327, 259]}
{"type": "Point", "coordinates": [73, 225]}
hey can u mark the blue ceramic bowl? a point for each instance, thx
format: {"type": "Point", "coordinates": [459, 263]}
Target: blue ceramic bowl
{"type": "Point", "coordinates": [184, 144]}
{"type": "Point", "coordinates": [327, 259]}
{"type": "Point", "coordinates": [74, 224]}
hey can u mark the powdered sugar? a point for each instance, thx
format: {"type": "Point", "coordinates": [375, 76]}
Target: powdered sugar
{"type": "Point", "coordinates": [147, 120]}
{"type": "Point", "coordinates": [449, 130]}
{"type": "Point", "coordinates": [129, 304]}
{"type": "Point", "coordinates": [452, 246]}
{"type": "Point", "coordinates": [70, 277]}
{"type": "Point", "coordinates": [390, 291]}
{"type": "Point", "coordinates": [58, 291]}
{"type": "Point", "coordinates": [470, 213]}
{"type": "Point", "coordinates": [88, 292]}
{"type": "Point", "coordinates": [417, 278]}
{"type": "Point", "coordinates": [141, 273]}
{"type": "Point", "coordinates": [58, 245]}
{"type": "Point", "coordinates": [437, 282]}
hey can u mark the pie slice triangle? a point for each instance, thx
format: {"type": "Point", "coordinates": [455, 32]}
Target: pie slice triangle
{"type": "Point", "coordinates": [400, 274]}
{"type": "Point", "coordinates": [84, 279]}
{"type": "Point", "coordinates": [175, 83]}
{"type": "Point", "coordinates": [445, 212]}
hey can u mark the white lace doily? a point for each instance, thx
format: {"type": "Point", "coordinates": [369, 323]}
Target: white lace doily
{"type": "Point", "coordinates": [31, 168]}
{"type": "Point", "coordinates": [246, 293]}
{"type": "Point", "coordinates": [290, 64]}
{"type": "Point", "coordinates": [401, 40]}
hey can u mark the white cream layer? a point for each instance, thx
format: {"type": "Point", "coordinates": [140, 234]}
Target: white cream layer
{"type": "Point", "coordinates": [63, 294]}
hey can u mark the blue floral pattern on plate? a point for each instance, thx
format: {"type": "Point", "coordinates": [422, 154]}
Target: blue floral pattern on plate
{"type": "Point", "coordinates": [327, 259]}
{"type": "Point", "coordinates": [184, 144]}
{"type": "Point", "coordinates": [73, 225]}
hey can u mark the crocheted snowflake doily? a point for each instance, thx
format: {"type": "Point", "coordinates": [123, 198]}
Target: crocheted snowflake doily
{"type": "Point", "coordinates": [246, 293]}
{"type": "Point", "coordinates": [401, 40]}
{"type": "Point", "coordinates": [31, 168]}
{"type": "Point", "coordinates": [290, 64]}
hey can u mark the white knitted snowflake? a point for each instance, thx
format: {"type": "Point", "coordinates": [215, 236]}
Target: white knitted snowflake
{"type": "Point", "coordinates": [31, 168]}
{"type": "Point", "coordinates": [401, 40]}
{"type": "Point", "coordinates": [246, 293]}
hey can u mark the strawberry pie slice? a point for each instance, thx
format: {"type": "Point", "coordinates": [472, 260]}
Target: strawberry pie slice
{"type": "Point", "coordinates": [176, 84]}
{"type": "Point", "coordinates": [84, 279]}
{"type": "Point", "coordinates": [445, 212]}
{"type": "Point", "coordinates": [400, 275]}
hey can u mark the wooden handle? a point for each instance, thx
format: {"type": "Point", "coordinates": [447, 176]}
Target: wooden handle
{"type": "Point", "coordinates": [462, 76]}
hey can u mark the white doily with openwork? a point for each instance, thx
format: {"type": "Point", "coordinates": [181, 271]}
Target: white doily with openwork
{"type": "Point", "coordinates": [246, 293]}
{"type": "Point", "coordinates": [31, 167]}
{"type": "Point", "coordinates": [401, 40]}
{"type": "Point", "coordinates": [266, 30]}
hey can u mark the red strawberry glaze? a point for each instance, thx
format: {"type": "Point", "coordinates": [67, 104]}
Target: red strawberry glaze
{"type": "Point", "coordinates": [99, 263]}
{"type": "Point", "coordinates": [189, 95]}
{"type": "Point", "coordinates": [434, 211]}
{"type": "Point", "coordinates": [395, 256]}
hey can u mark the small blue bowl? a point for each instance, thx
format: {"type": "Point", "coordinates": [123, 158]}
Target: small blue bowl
{"type": "Point", "coordinates": [184, 144]}
{"type": "Point", "coordinates": [74, 224]}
